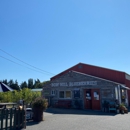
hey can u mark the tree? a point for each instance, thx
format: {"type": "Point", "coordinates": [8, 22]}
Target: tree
{"type": "Point", "coordinates": [11, 82]}
{"type": "Point", "coordinates": [23, 85]}
{"type": "Point", "coordinates": [36, 83]}
{"type": "Point", "coordinates": [41, 84]}
{"type": "Point", "coordinates": [30, 83]}
{"type": "Point", "coordinates": [5, 81]}
{"type": "Point", "coordinates": [14, 96]}
{"type": "Point", "coordinates": [15, 85]}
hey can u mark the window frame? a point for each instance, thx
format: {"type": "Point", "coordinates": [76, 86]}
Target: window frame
{"type": "Point", "coordinates": [65, 94]}
{"type": "Point", "coordinates": [53, 92]}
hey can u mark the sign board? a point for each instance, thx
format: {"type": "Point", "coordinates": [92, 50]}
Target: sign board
{"type": "Point", "coordinates": [71, 84]}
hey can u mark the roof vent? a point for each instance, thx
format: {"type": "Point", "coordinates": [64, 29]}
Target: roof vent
{"type": "Point", "coordinates": [80, 66]}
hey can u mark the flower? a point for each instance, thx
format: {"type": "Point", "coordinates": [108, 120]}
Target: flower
{"type": "Point", "coordinates": [40, 102]}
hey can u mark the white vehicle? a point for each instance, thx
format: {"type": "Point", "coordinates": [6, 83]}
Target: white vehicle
{"type": "Point", "coordinates": [29, 114]}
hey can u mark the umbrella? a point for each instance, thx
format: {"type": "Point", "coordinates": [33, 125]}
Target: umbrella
{"type": "Point", "coordinates": [4, 87]}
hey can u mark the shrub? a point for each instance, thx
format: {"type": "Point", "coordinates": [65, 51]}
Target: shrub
{"type": "Point", "coordinates": [40, 102]}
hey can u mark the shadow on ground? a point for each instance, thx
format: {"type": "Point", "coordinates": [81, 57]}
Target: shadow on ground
{"type": "Point", "coordinates": [71, 111]}
{"type": "Point", "coordinates": [31, 122]}
{"type": "Point", "coordinates": [78, 112]}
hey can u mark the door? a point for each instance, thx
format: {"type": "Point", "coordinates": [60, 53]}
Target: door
{"type": "Point", "coordinates": [95, 99]}
{"type": "Point", "coordinates": [87, 99]}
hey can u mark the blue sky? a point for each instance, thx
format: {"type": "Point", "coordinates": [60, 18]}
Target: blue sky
{"type": "Point", "coordinates": [54, 35]}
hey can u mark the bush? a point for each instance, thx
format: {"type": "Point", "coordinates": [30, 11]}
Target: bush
{"type": "Point", "coordinates": [40, 103]}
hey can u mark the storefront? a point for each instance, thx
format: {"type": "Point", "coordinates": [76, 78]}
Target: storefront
{"type": "Point", "coordinates": [83, 91]}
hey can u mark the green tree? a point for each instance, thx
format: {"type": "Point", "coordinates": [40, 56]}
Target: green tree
{"type": "Point", "coordinates": [11, 82]}
{"type": "Point", "coordinates": [36, 82]}
{"type": "Point", "coordinates": [15, 85]}
{"type": "Point", "coordinates": [5, 81]}
{"type": "Point", "coordinates": [23, 85]}
{"type": "Point", "coordinates": [30, 83]}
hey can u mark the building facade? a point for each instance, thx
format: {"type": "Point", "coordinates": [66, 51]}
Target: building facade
{"type": "Point", "coordinates": [84, 90]}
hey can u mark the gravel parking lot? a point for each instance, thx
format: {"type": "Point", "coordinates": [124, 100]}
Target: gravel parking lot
{"type": "Point", "coordinates": [69, 119]}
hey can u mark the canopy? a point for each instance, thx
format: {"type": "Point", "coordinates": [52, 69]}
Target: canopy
{"type": "Point", "coordinates": [4, 87]}
{"type": "Point", "coordinates": [122, 86]}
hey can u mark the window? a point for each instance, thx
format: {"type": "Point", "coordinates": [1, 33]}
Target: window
{"type": "Point", "coordinates": [107, 93]}
{"type": "Point", "coordinates": [96, 95]}
{"type": "Point", "coordinates": [64, 94]}
{"type": "Point", "coordinates": [61, 94]}
{"type": "Point", "coordinates": [68, 94]}
{"type": "Point", "coordinates": [53, 92]}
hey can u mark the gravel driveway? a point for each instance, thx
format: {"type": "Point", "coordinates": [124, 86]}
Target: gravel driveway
{"type": "Point", "coordinates": [69, 119]}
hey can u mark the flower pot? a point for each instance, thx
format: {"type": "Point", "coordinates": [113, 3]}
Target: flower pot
{"type": "Point", "coordinates": [37, 114]}
{"type": "Point", "coordinates": [122, 112]}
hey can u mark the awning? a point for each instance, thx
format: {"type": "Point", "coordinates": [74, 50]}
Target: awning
{"type": "Point", "coordinates": [124, 87]}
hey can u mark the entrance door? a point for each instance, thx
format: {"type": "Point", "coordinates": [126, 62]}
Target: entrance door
{"type": "Point", "coordinates": [92, 99]}
{"type": "Point", "coordinates": [95, 99]}
{"type": "Point", "coordinates": [88, 99]}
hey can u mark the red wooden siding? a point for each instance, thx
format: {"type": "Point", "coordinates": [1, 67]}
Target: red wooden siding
{"type": "Point", "coordinates": [105, 73]}
{"type": "Point", "coordinates": [127, 82]}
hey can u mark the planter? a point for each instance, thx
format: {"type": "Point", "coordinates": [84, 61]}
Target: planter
{"type": "Point", "coordinates": [37, 114]}
{"type": "Point", "coordinates": [123, 109]}
{"type": "Point", "coordinates": [39, 105]}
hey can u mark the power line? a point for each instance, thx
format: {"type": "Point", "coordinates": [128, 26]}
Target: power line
{"type": "Point", "coordinates": [21, 65]}
{"type": "Point", "coordinates": [26, 63]}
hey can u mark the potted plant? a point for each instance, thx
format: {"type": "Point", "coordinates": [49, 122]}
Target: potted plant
{"type": "Point", "coordinates": [39, 105]}
{"type": "Point", "coordinates": [123, 108]}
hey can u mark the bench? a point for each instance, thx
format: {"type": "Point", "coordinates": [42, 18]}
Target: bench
{"type": "Point", "coordinates": [63, 104]}
{"type": "Point", "coordinates": [112, 106]}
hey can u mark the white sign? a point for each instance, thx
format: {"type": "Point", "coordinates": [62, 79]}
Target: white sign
{"type": "Point", "coordinates": [70, 84]}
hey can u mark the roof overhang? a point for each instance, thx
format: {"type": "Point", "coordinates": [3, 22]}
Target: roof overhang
{"type": "Point", "coordinates": [124, 87]}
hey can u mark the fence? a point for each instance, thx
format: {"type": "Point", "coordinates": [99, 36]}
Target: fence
{"type": "Point", "coordinates": [12, 119]}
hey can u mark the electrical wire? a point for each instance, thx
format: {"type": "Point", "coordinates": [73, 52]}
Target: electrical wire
{"type": "Point", "coordinates": [22, 65]}
{"type": "Point", "coordinates": [26, 63]}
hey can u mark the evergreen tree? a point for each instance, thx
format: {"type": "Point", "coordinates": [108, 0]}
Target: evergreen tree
{"type": "Point", "coordinates": [5, 81]}
{"type": "Point", "coordinates": [23, 85]}
{"type": "Point", "coordinates": [30, 83]}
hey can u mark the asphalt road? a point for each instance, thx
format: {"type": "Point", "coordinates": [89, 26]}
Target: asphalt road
{"type": "Point", "coordinates": [69, 119]}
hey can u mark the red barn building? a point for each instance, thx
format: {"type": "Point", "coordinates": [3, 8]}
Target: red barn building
{"type": "Point", "coordinates": [94, 74]}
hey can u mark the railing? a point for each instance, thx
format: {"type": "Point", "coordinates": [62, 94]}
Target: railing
{"type": "Point", "coordinates": [12, 119]}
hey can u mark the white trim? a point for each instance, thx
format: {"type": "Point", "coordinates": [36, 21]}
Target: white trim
{"type": "Point", "coordinates": [7, 87]}
{"type": "Point", "coordinates": [123, 86]}
{"type": "Point", "coordinates": [127, 102]}
{"type": "Point", "coordinates": [102, 79]}
{"type": "Point", "coordinates": [116, 93]}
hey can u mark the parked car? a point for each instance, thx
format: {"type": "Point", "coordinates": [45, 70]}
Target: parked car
{"type": "Point", "coordinates": [29, 114]}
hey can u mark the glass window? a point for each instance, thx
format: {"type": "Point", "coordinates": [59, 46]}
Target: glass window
{"type": "Point", "coordinates": [88, 95]}
{"type": "Point", "coordinates": [96, 95]}
{"type": "Point", "coordinates": [107, 93]}
{"type": "Point", "coordinates": [53, 92]}
{"type": "Point", "coordinates": [64, 94]}
{"type": "Point", "coordinates": [68, 94]}
{"type": "Point", "coordinates": [61, 94]}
